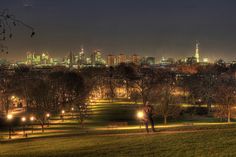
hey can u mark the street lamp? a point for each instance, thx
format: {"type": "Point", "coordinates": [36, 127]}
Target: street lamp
{"type": "Point", "coordinates": [140, 116]}
{"type": "Point", "coordinates": [47, 115]}
{"type": "Point", "coordinates": [32, 120]}
{"type": "Point", "coordinates": [48, 118]}
{"type": "Point", "coordinates": [9, 118]}
{"type": "Point", "coordinates": [62, 115]}
{"type": "Point", "coordinates": [72, 111]}
{"type": "Point", "coordinates": [13, 97]}
{"type": "Point", "coordinates": [23, 120]}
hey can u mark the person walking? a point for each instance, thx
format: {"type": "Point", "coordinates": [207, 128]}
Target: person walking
{"type": "Point", "coordinates": [148, 116]}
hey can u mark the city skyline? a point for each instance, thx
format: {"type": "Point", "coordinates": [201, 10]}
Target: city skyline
{"type": "Point", "coordinates": [200, 57]}
{"type": "Point", "coordinates": [97, 58]}
{"type": "Point", "coordinates": [153, 28]}
{"type": "Point", "coordinates": [117, 78]}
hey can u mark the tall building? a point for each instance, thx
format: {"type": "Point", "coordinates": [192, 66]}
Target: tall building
{"type": "Point", "coordinates": [205, 60]}
{"type": "Point", "coordinates": [34, 59]}
{"type": "Point", "coordinates": [88, 61]}
{"type": "Point", "coordinates": [29, 58]}
{"type": "Point", "coordinates": [167, 61]}
{"type": "Point", "coordinates": [71, 60]}
{"type": "Point", "coordinates": [96, 58]}
{"type": "Point", "coordinates": [45, 59]}
{"type": "Point", "coordinates": [121, 58]}
{"type": "Point", "coordinates": [150, 60]}
{"type": "Point", "coordinates": [81, 57]}
{"type": "Point", "coordinates": [197, 56]}
{"type": "Point", "coordinates": [136, 59]}
{"type": "Point", "coordinates": [191, 60]}
{"type": "Point", "coordinates": [111, 60]}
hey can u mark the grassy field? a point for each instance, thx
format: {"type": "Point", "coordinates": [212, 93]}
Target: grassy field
{"type": "Point", "coordinates": [200, 137]}
{"type": "Point", "coordinates": [212, 142]}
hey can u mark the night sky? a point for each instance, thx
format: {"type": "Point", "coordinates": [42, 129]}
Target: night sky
{"type": "Point", "coordinates": [146, 27]}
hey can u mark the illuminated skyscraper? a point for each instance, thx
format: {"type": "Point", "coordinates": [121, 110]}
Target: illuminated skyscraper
{"type": "Point", "coordinates": [71, 60]}
{"type": "Point", "coordinates": [96, 58]}
{"type": "Point", "coordinates": [121, 59]}
{"type": "Point", "coordinates": [37, 59]}
{"type": "Point", "coordinates": [150, 60]}
{"type": "Point", "coordinates": [197, 56]}
{"type": "Point", "coordinates": [135, 59]}
{"type": "Point", "coordinates": [29, 58]}
{"type": "Point", "coordinates": [167, 61]}
{"type": "Point", "coordinates": [111, 60]}
{"type": "Point", "coordinates": [81, 57]}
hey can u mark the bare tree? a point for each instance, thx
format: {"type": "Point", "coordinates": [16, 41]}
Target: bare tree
{"type": "Point", "coordinates": [135, 96]}
{"type": "Point", "coordinates": [24, 79]}
{"type": "Point", "coordinates": [42, 99]}
{"type": "Point", "coordinates": [82, 109]}
{"type": "Point", "coordinates": [167, 102]}
{"type": "Point", "coordinates": [7, 23]}
{"type": "Point", "coordinates": [111, 83]}
{"type": "Point", "coordinates": [226, 96]}
{"type": "Point", "coordinates": [79, 92]}
{"type": "Point", "coordinates": [7, 88]}
{"type": "Point", "coordinates": [126, 74]}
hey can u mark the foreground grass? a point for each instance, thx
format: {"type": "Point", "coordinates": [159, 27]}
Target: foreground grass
{"type": "Point", "coordinates": [181, 138]}
{"type": "Point", "coordinates": [212, 142]}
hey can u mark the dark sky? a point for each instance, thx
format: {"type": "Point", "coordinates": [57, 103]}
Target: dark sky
{"type": "Point", "coordinates": [147, 27]}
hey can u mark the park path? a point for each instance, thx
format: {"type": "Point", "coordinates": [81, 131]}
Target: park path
{"type": "Point", "coordinates": [103, 114]}
{"type": "Point", "coordinates": [64, 133]}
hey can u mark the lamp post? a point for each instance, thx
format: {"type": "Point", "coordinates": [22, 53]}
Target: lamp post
{"type": "Point", "coordinates": [62, 115]}
{"type": "Point", "coordinates": [72, 112]}
{"type": "Point", "coordinates": [23, 120]}
{"type": "Point", "coordinates": [48, 118]}
{"type": "Point", "coordinates": [9, 118]}
{"type": "Point", "coordinates": [140, 116]}
{"type": "Point", "coordinates": [32, 120]}
{"type": "Point", "coordinates": [13, 97]}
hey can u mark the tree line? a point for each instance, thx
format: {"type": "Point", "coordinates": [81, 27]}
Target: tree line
{"type": "Point", "coordinates": [53, 89]}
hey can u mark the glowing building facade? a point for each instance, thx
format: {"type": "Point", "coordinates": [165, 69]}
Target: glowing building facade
{"type": "Point", "coordinates": [197, 56]}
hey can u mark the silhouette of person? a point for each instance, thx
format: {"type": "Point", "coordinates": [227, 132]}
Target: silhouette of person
{"type": "Point", "coordinates": [148, 116]}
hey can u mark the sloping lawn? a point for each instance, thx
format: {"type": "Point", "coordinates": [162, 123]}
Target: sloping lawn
{"type": "Point", "coordinates": [201, 143]}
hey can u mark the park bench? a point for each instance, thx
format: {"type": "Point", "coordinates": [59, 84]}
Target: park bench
{"type": "Point", "coordinates": [117, 124]}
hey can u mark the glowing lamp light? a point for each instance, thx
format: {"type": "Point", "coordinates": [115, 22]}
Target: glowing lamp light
{"type": "Point", "coordinates": [140, 114]}
{"type": "Point", "coordinates": [23, 119]}
{"type": "Point", "coordinates": [72, 109]}
{"type": "Point", "coordinates": [48, 115]}
{"type": "Point", "coordinates": [32, 118]}
{"type": "Point", "coordinates": [9, 116]}
{"type": "Point", "coordinates": [63, 111]}
{"type": "Point", "coordinates": [13, 97]}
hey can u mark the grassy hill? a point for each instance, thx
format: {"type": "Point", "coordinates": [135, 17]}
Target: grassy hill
{"type": "Point", "coordinates": [209, 143]}
{"type": "Point", "coordinates": [181, 138]}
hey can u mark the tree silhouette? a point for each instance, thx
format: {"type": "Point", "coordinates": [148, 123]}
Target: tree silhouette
{"type": "Point", "coordinates": [7, 24]}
